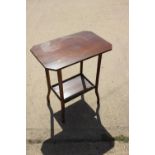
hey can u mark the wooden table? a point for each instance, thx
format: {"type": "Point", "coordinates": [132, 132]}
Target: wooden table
{"type": "Point", "coordinates": [65, 51]}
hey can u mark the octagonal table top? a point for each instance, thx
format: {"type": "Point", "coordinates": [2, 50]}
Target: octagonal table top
{"type": "Point", "coordinates": [67, 50]}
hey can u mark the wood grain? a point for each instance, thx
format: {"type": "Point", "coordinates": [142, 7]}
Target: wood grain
{"type": "Point", "coordinates": [74, 86]}
{"type": "Point", "coordinates": [65, 51]}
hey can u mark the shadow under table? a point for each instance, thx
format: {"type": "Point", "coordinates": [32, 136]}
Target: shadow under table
{"type": "Point", "coordinates": [82, 134]}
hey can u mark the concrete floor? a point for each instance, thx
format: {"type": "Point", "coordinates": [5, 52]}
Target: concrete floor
{"type": "Point", "coordinates": [47, 20]}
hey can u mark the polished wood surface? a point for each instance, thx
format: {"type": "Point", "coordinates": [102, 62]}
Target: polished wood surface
{"type": "Point", "coordinates": [73, 86]}
{"type": "Point", "coordinates": [65, 51]}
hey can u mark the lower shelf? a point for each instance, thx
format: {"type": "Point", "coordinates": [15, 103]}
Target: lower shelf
{"type": "Point", "coordinates": [73, 87]}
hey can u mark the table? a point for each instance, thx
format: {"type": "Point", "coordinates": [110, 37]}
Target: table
{"type": "Point", "coordinates": [63, 52]}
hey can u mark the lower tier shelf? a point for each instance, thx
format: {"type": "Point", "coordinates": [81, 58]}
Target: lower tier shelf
{"type": "Point", "coordinates": [73, 87]}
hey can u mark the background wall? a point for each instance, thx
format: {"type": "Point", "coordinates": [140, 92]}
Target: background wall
{"type": "Point", "coordinates": [47, 20]}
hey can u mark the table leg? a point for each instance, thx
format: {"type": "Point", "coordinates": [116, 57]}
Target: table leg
{"type": "Point", "coordinates": [48, 101]}
{"type": "Point", "coordinates": [48, 84]}
{"type": "Point", "coordinates": [81, 72]}
{"type": "Point", "coordinates": [81, 67]}
{"type": "Point", "coordinates": [97, 79]}
{"type": "Point", "coordinates": [59, 74]}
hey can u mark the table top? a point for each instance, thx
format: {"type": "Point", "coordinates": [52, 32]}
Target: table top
{"type": "Point", "coordinates": [65, 51]}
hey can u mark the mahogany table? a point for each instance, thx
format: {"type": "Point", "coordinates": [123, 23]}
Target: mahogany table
{"type": "Point", "coordinates": [65, 51]}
